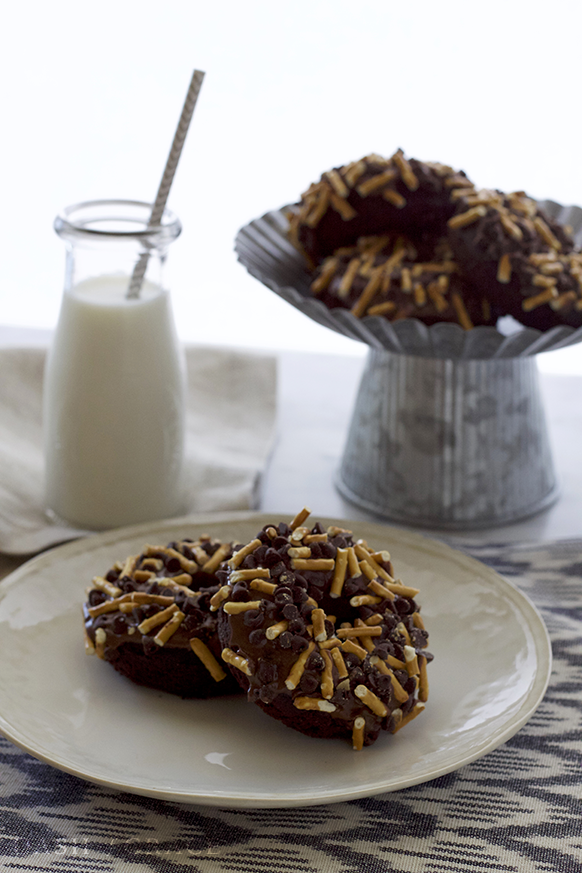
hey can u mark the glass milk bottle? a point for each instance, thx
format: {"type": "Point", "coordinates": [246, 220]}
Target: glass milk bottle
{"type": "Point", "coordinates": [114, 393]}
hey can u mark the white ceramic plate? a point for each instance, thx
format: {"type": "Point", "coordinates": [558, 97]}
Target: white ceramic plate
{"type": "Point", "coordinates": [491, 668]}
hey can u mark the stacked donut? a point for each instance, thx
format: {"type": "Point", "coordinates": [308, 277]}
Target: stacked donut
{"type": "Point", "coordinates": [401, 238]}
{"type": "Point", "coordinates": [309, 622]}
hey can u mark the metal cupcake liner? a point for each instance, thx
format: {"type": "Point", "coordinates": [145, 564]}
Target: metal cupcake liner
{"type": "Point", "coordinates": [449, 429]}
{"type": "Point", "coordinates": [263, 248]}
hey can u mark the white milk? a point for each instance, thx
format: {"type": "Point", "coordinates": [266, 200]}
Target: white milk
{"type": "Point", "coordinates": [114, 407]}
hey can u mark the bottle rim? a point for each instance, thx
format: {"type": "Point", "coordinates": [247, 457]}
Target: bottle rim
{"type": "Point", "coordinates": [76, 221]}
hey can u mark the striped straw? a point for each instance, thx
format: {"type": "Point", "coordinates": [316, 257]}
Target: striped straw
{"type": "Point", "coordinates": [167, 178]}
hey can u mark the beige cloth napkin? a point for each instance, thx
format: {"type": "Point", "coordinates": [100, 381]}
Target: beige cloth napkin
{"type": "Point", "coordinates": [230, 433]}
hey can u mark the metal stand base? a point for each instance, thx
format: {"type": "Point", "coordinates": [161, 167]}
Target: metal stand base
{"type": "Point", "coordinates": [448, 443]}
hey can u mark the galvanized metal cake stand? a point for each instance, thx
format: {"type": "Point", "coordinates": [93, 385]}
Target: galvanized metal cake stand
{"type": "Point", "coordinates": [448, 428]}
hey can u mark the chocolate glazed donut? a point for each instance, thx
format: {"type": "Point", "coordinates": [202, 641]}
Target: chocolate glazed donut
{"type": "Point", "coordinates": [382, 276]}
{"type": "Point", "coordinates": [320, 634]}
{"type": "Point", "coordinates": [520, 257]}
{"type": "Point", "coordinates": [371, 196]}
{"type": "Point", "coordinates": [150, 618]}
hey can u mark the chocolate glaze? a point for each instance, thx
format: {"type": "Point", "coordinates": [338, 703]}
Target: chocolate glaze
{"type": "Point", "coordinates": [422, 216]}
{"type": "Point", "coordinates": [271, 660]}
{"type": "Point", "coordinates": [423, 289]}
{"type": "Point", "coordinates": [479, 246]}
{"type": "Point", "coordinates": [172, 667]}
{"type": "Point", "coordinates": [422, 202]}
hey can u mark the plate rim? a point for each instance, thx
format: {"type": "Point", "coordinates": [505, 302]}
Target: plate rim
{"type": "Point", "coordinates": [256, 800]}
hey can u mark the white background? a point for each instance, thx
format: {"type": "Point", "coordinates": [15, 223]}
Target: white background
{"type": "Point", "coordinates": [91, 94]}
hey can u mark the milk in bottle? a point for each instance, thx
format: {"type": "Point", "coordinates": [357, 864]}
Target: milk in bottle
{"type": "Point", "coordinates": [114, 398]}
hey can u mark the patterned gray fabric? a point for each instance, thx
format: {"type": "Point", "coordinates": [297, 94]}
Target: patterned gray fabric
{"type": "Point", "coordinates": [517, 809]}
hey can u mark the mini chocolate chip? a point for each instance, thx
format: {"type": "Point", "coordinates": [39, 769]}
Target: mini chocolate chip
{"type": "Point", "coordinates": [328, 550]}
{"type": "Point", "coordinates": [353, 586]}
{"type": "Point", "coordinates": [284, 529]}
{"type": "Point", "coordinates": [402, 677]}
{"type": "Point", "coordinates": [240, 592]}
{"type": "Point", "coordinates": [280, 543]}
{"type": "Point", "coordinates": [290, 611]}
{"type": "Point", "coordinates": [180, 599]}
{"type": "Point", "coordinates": [257, 638]}
{"type": "Point", "coordinates": [221, 576]}
{"type": "Point", "coordinates": [299, 644]}
{"type": "Point", "coordinates": [119, 624]}
{"type": "Point", "coordinates": [299, 595]}
{"type": "Point", "coordinates": [166, 592]}
{"type": "Point", "coordinates": [410, 685]}
{"type": "Point", "coordinates": [173, 565]}
{"type": "Point", "coordinates": [317, 528]}
{"type": "Point", "coordinates": [112, 575]}
{"type": "Point", "coordinates": [381, 684]}
{"type": "Point", "coordinates": [403, 605]}
{"type": "Point", "coordinates": [267, 672]}
{"type": "Point", "coordinates": [300, 581]}
{"type": "Point", "coordinates": [96, 597]}
{"type": "Point", "coordinates": [210, 548]}
{"type": "Point", "coordinates": [390, 620]}
{"type": "Point", "coordinates": [249, 563]}
{"type": "Point", "coordinates": [271, 610]}
{"type": "Point", "coordinates": [277, 569]}
{"type": "Point", "coordinates": [308, 683]}
{"type": "Point", "coordinates": [352, 661]}
{"type": "Point", "coordinates": [316, 662]}
{"type": "Point", "coordinates": [204, 601]}
{"type": "Point", "coordinates": [357, 676]}
{"type": "Point", "coordinates": [286, 640]}
{"type": "Point", "coordinates": [253, 618]}
{"type": "Point", "coordinates": [191, 608]}
{"type": "Point", "coordinates": [268, 693]}
{"type": "Point", "coordinates": [271, 558]}
{"type": "Point", "coordinates": [297, 626]}
{"type": "Point", "coordinates": [283, 596]}
{"type": "Point", "coordinates": [419, 637]}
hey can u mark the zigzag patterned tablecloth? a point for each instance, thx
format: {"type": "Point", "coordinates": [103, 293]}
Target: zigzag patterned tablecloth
{"type": "Point", "coordinates": [517, 809]}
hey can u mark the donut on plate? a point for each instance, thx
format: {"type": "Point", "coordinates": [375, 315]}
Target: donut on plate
{"type": "Point", "coordinates": [150, 617]}
{"type": "Point", "coordinates": [518, 255]}
{"type": "Point", "coordinates": [382, 276]}
{"type": "Point", "coordinates": [321, 635]}
{"type": "Point", "coordinates": [374, 195]}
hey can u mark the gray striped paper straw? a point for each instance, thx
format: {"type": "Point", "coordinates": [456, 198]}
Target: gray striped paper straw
{"type": "Point", "coordinates": [168, 177]}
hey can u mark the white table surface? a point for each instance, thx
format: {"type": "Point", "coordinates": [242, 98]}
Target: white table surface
{"type": "Point", "coordinates": [312, 430]}
{"type": "Point", "coordinates": [312, 426]}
